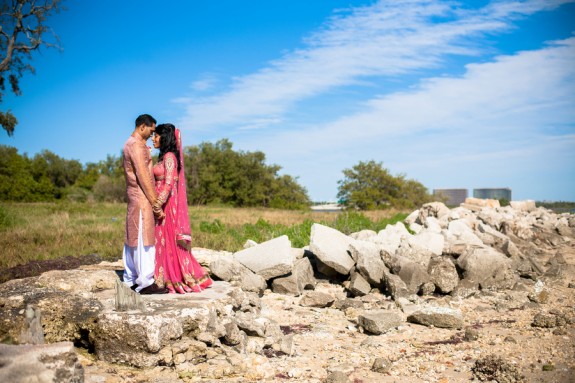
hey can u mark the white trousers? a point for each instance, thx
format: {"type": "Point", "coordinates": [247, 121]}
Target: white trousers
{"type": "Point", "coordinates": [139, 262]}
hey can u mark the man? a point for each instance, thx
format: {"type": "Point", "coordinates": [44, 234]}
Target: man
{"type": "Point", "coordinates": [139, 251]}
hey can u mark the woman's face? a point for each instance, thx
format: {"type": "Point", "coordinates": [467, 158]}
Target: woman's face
{"type": "Point", "coordinates": [156, 140]}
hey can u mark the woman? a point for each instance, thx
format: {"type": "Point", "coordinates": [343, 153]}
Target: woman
{"type": "Point", "coordinates": [176, 267]}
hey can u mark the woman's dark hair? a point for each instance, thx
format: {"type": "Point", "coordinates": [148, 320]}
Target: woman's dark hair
{"type": "Point", "coordinates": [168, 143]}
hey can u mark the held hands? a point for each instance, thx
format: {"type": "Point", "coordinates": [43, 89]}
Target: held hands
{"type": "Point", "coordinates": [157, 209]}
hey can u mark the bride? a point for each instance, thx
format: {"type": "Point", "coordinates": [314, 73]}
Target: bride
{"type": "Point", "coordinates": [176, 267]}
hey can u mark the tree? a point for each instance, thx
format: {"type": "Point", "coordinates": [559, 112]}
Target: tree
{"type": "Point", "coordinates": [218, 174]}
{"type": "Point", "coordinates": [22, 31]}
{"type": "Point", "coordinates": [369, 186]}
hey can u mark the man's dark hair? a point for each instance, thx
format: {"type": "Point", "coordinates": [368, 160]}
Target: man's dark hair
{"type": "Point", "coordinates": [145, 119]}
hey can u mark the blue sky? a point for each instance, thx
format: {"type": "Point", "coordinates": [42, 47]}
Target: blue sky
{"type": "Point", "coordinates": [470, 94]}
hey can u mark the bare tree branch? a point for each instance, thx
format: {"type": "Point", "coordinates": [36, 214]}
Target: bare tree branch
{"type": "Point", "coordinates": [22, 31]}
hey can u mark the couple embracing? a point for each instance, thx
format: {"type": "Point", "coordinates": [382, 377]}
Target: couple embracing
{"type": "Point", "coordinates": [157, 246]}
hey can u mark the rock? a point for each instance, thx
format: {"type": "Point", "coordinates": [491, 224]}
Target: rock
{"type": "Point", "coordinates": [381, 365]}
{"type": "Point", "coordinates": [228, 269]}
{"type": "Point", "coordinates": [395, 286]}
{"type": "Point", "coordinates": [316, 299]}
{"type": "Point", "coordinates": [476, 204]}
{"type": "Point", "coordinates": [46, 363]}
{"type": "Point", "coordinates": [367, 256]}
{"type": "Point", "coordinates": [547, 320]}
{"type": "Point", "coordinates": [66, 316]}
{"type": "Point", "coordinates": [430, 241]}
{"type": "Point", "coordinates": [379, 321]}
{"type": "Point", "coordinates": [363, 235]}
{"type": "Point", "coordinates": [490, 268]}
{"type": "Point", "coordinates": [331, 248]}
{"type": "Point", "coordinates": [269, 259]}
{"type": "Point", "coordinates": [471, 334]}
{"type": "Point", "coordinates": [459, 236]}
{"type": "Point", "coordinates": [252, 325]}
{"type": "Point", "coordinates": [148, 334]}
{"type": "Point", "coordinates": [527, 205]}
{"type": "Point", "coordinates": [494, 368]}
{"type": "Point", "coordinates": [540, 293]}
{"type": "Point", "coordinates": [358, 286]}
{"type": "Point", "coordinates": [343, 304]}
{"type": "Point", "coordinates": [443, 274]}
{"type": "Point", "coordinates": [234, 335]}
{"type": "Point", "coordinates": [465, 288]}
{"type": "Point", "coordinates": [337, 377]}
{"type": "Point", "coordinates": [413, 274]}
{"type": "Point", "coordinates": [427, 288]}
{"type": "Point", "coordinates": [126, 298]}
{"type": "Point", "coordinates": [301, 278]}
{"type": "Point", "coordinates": [390, 238]}
{"type": "Point", "coordinates": [432, 209]}
{"type": "Point", "coordinates": [414, 253]}
{"type": "Point", "coordinates": [249, 243]}
{"type": "Point", "coordinates": [32, 331]}
{"type": "Point", "coordinates": [442, 317]}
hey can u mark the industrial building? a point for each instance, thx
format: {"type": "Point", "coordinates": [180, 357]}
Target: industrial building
{"type": "Point", "coordinates": [451, 197]}
{"type": "Point", "coordinates": [493, 193]}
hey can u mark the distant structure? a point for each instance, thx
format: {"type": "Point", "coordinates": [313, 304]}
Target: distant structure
{"type": "Point", "coordinates": [453, 197]}
{"type": "Point", "coordinates": [493, 193]}
{"type": "Point", "coordinates": [327, 207]}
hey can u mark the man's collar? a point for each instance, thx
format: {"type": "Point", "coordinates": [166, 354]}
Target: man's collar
{"type": "Point", "coordinates": [138, 137]}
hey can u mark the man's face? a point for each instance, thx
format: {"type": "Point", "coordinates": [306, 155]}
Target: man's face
{"type": "Point", "coordinates": [147, 131]}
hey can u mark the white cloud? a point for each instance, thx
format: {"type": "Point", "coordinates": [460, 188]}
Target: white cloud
{"type": "Point", "coordinates": [387, 39]}
{"type": "Point", "coordinates": [515, 110]}
{"type": "Point", "coordinates": [205, 82]}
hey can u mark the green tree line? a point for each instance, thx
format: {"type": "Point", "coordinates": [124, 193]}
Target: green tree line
{"type": "Point", "coordinates": [216, 174]}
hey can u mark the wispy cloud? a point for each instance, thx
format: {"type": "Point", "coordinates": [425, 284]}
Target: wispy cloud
{"type": "Point", "coordinates": [389, 38]}
{"type": "Point", "coordinates": [516, 109]}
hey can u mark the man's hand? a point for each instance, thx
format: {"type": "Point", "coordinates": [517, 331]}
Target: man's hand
{"type": "Point", "coordinates": [157, 209]}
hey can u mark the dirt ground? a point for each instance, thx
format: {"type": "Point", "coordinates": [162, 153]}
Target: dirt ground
{"type": "Point", "coordinates": [498, 331]}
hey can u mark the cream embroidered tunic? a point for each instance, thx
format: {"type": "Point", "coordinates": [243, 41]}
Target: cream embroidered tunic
{"type": "Point", "coordinates": [140, 191]}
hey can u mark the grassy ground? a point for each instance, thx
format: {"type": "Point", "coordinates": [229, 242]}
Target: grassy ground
{"type": "Point", "coordinates": [41, 231]}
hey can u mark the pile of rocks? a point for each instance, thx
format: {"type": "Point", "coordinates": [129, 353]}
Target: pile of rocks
{"type": "Point", "coordinates": [441, 251]}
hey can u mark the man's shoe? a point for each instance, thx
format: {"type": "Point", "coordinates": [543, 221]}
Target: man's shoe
{"type": "Point", "coordinates": [134, 287]}
{"type": "Point", "coordinates": [153, 289]}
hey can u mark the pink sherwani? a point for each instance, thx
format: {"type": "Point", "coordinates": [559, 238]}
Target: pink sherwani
{"type": "Point", "coordinates": [140, 190]}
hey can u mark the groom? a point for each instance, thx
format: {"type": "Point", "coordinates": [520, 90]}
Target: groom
{"type": "Point", "coordinates": [139, 251]}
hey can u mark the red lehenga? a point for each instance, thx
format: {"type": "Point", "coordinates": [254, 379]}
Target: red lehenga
{"type": "Point", "coordinates": [176, 267]}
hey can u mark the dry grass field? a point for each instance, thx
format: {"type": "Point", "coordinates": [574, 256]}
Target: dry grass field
{"type": "Point", "coordinates": [42, 231]}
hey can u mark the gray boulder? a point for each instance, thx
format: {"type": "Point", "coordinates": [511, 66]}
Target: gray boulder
{"type": "Point", "coordinates": [413, 274]}
{"type": "Point", "coordinates": [432, 209]}
{"type": "Point", "coordinates": [443, 317]}
{"type": "Point", "coordinates": [367, 256]}
{"type": "Point", "coordinates": [488, 267]}
{"type": "Point", "coordinates": [228, 269]}
{"type": "Point", "coordinates": [379, 321]}
{"type": "Point", "coordinates": [269, 259]}
{"type": "Point", "coordinates": [443, 274]}
{"type": "Point", "coordinates": [300, 279]}
{"type": "Point", "coordinates": [46, 363]}
{"type": "Point", "coordinates": [395, 286]}
{"type": "Point", "coordinates": [358, 286]}
{"type": "Point", "coordinates": [331, 247]}
{"type": "Point", "coordinates": [316, 299]}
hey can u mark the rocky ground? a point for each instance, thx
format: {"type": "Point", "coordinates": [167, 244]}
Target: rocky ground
{"type": "Point", "coordinates": [506, 312]}
{"type": "Point", "coordinates": [522, 335]}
